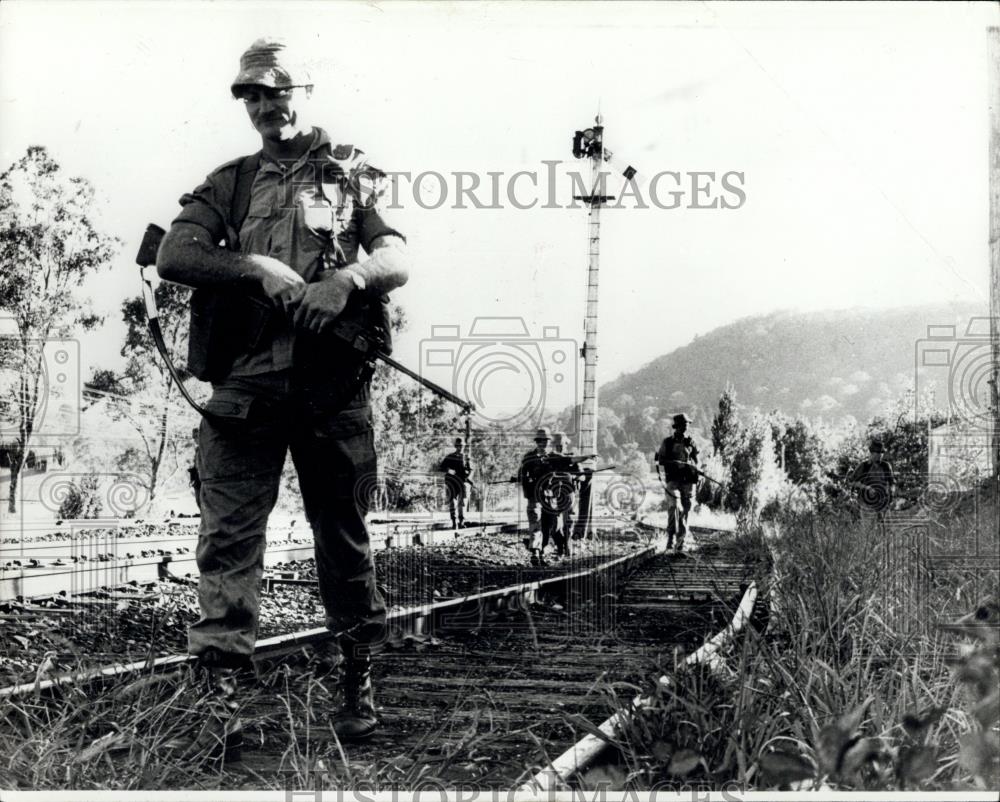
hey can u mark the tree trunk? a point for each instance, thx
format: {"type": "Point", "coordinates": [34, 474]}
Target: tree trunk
{"type": "Point", "coordinates": [16, 464]}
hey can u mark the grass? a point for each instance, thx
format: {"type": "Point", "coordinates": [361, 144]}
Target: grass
{"type": "Point", "coordinates": [854, 686]}
{"type": "Point", "coordinates": [848, 688]}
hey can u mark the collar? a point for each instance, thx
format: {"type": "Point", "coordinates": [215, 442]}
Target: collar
{"type": "Point", "coordinates": [320, 139]}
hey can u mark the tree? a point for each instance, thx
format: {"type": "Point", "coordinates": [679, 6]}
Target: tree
{"type": "Point", "coordinates": [725, 426]}
{"type": "Point", "coordinates": [800, 446]}
{"type": "Point", "coordinates": [145, 394]}
{"type": "Point", "coordinates": [49, 245]}
{"type": "Point", "coordinates": [414, 428]}
{"type": "Point", "coordinates": [634, 462]}
{"type": "Point", "coordinates": [755, 480]}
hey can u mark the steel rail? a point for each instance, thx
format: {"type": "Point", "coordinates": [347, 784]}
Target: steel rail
{"type": "Point", "coordinates": [449, 614]}
{"type": "Point", "coordinates": [583, 753]}
{"type": "Point", "coordinates": [47, 580]}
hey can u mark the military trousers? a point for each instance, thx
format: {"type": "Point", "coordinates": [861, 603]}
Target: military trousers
{"type": "Point", "coordinates": [534, 510]}
{"type": "Point", "coordinates": [678, 496]}
{"type": "Point", "coordinates": [548, 529]}
{"type": "Point", "coordinates": [872, 519]}
{"type": "Point", "coordinates": [456, 497]}
{"type": "Point", "coordinates": [255, 422]}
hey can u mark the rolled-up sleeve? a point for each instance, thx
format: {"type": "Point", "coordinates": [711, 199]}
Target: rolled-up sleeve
{"type": "Point", "coordinates": [202, 208]}
{"type": "Point", "coordinates": [372, 220]}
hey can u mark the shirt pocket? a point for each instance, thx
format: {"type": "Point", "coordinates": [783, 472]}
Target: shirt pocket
{"type": "Point", "coordinates": [255, 233]}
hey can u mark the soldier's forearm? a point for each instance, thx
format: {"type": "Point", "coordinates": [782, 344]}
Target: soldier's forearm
{"type": "Point", "coordinates": [387, 268]}
{"type": "Point", "coordinates": [187, 256]}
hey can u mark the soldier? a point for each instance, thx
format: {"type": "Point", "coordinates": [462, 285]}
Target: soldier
{"type": "Point", "coordinates": [875, 482]}
{"type": "Point", "coordinates": [294, 217]}
{"type": "Point", "coordinates": [194, 477]}
{"type": "Point", "coordinates": [532, 469]}
{"type": "Point", "coordinates": [676, 454]}
{"type": "Point", "coordinates": [457, 472]}
{"type": "Point", "coordinates": [564, 489]}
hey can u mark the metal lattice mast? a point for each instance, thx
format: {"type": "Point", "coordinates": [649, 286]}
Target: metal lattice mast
{"type": "Point", "coordinates": [588, 412]}
{"type": "Point", "coordinates": [590, 143]}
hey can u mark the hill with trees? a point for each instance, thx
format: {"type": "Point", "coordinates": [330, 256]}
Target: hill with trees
{"type": "Point", "coordinates": [837, 367]}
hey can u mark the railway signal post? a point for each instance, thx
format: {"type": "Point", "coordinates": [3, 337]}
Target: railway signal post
{"type": "Point", "coordinates": [589, 143]}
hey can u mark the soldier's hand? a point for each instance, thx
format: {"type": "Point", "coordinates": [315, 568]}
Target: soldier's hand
{"type": "Point", "coordinates": [282, 285]}
{"type": "Point", "coordinates": [323, 301]}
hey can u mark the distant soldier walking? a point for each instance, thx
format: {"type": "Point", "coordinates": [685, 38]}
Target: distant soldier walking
{"type": "Point", "coordinates": [457, 471]}
{"type": "Point", "coordinates": [874, 482]}
{"type": "Point", "coordinates": [564, 486]}
{"type": "Point", "coordinates": [533, 468]}
{"type": "Point", "coordinates": [677, 456]}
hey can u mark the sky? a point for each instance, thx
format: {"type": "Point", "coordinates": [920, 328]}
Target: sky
{"type": "Point", "coordinates": [857, 134]}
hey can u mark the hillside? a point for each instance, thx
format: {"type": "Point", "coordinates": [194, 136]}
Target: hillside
{"type": "Point", "coordinates": [833, 364]}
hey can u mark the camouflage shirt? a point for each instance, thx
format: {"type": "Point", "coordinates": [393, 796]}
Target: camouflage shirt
{"type": "Point", "coordinates": [314, 215]}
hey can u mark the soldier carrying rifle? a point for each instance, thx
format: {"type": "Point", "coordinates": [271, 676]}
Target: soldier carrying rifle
{"type": "Point", "coordinates": [532, 469]}
{"type": "Point", "coordinates": [677, 457]}
{"type": "Point", "coordinates": [458, 471]}
{"type": "Point", "coordinates": [307, 244]}
{"type": "Point", "coordinates": [561, 487]}
{"type": "Point", "coordinates": [875, 483]}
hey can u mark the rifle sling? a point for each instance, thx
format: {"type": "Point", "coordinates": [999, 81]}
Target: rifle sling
{"type": "Point", "coordinates": [153, 322]}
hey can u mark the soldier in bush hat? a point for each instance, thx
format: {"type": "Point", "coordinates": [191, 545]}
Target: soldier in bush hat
{"type": "Point", "coordinates": [306, 241]}
{"type": "Point", "coordinates": [874, 482]}
{"type": "Point", "coordinates": [272, 63]}
{"type": "Point", "coordinates": [531, 471]}
{"type": "Point", "coordinates": [676, 455]}
{"type": "Point", "coordinates": [458, 471]}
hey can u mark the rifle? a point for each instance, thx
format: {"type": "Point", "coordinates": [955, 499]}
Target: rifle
{"type": "Point", "coordinates": [693, 468]}
{"type": "Point", "coordinates": [567, 462]}
{"type": "Point", "coordinates": [515, 480]}
{"type": "Point", "coordinates": [466, 480]}
{"type": "Point", "coordinates": [368, 343]}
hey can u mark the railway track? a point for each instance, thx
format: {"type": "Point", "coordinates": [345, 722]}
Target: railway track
{"type": "Point", "coordinates": [546, 674]}
{"type": "Point", "coordinates": [84, 565]}
{"type": "Point", "coordinates": [487, 689]}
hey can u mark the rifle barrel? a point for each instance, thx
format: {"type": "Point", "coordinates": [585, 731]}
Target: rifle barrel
{"type": "Point", "coordinates": [436, 388]}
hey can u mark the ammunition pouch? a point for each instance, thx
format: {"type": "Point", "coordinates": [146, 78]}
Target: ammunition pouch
{"type": "Point", "coordinates": [224, 323]}
{"type": "Point", "coordinates": [229, 322]}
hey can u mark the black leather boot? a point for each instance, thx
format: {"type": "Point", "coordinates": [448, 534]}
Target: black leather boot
{"type": "Point", "coordinates": [217, 731]}
{"type": "Point", "coordinates": [355, 720]}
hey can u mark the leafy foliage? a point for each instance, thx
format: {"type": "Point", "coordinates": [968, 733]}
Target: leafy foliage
{"type": "Point", "coordinates": [49, 244]}
{"type": "Point", "coordinates": [82, 500]}
{"type": "Point", "coordinates": [145, 395]}
{"type": "Point", "coordinates": [724, 424]}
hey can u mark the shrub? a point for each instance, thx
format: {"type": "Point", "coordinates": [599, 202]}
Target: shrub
{"type": "Point", "coordinates": [82, 501]}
